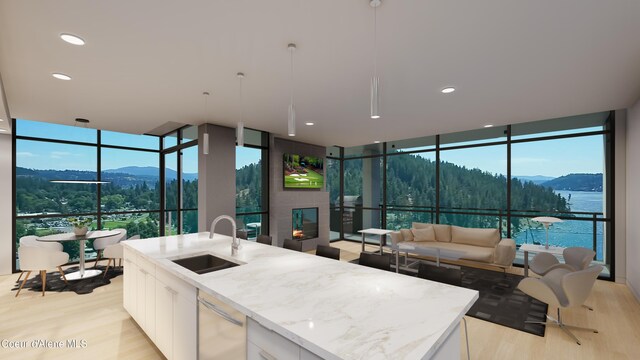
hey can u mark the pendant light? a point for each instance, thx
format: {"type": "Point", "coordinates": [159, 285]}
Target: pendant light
{"type": "Point", "coordinates": [205, 137]}
{"type": "Point", "coordinates": [240, 128]}
{"type": "Point", "coordinates": [292, 111]}
{"type": "Point", "coordinates": [375, 81]}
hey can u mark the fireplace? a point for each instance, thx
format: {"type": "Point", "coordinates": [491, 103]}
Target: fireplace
{"type": "Point", "coordinates": [304, 223]}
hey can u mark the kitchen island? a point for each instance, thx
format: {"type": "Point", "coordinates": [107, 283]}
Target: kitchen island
{"type": "Point", "coordinates": [329, 309]}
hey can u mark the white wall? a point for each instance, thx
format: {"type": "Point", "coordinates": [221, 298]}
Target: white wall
{"type": "Point", "coordinates": [6, 226]}
{"type": "Point", "coordinates": [633, 199]}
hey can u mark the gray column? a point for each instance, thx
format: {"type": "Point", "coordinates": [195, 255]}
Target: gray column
{"type": "Point", "coordinates": [216, 177]}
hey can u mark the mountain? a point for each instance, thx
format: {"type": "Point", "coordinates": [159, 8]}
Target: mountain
{"type": "Point", "coordinates": [536, 179]}
{"type": "Point", "coordinates": [576, 182]}
{"type": "Point", "coordinates": [140, 170]}
{"type": "Point", "coordinates": [130, 176]}
{"type": "Point", "coordinates": [151, 171]}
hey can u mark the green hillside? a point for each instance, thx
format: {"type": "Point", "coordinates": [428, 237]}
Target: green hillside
{"type": "Point", "coordinates": [577, 182]}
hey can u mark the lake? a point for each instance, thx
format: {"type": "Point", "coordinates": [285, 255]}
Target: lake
{"type": "Point", "coordinates": [572, 232]}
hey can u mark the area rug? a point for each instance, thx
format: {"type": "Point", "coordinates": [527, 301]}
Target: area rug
{"type": "Point", "coordinates": [500, 301]}
{"type": "Point", "coordinates": [55, 282]}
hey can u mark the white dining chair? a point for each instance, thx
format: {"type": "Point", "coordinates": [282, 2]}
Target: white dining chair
{"type": "Point", "coordinates": [31, 240]}
{"type": "Point", "coordinates": [113, 252]}
{"type": "Point", "coordinates": [34, 258]}
{"type": "Point", "coordinates": [100, 244]}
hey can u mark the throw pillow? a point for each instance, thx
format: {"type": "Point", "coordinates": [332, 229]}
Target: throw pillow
{"type": "Point", "coordinates": [425, 234]}
{"type": "Point", "coordinates": [407, 235]}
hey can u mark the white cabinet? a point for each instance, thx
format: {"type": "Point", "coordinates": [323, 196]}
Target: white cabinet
{"type": "Point", "coordinates": [164, 306]}
{"type": "Point", "coordinates": [146, 297]}
{"type": "Point", "coordinates": [129, 286]}
{"type": "Point", "coordinates": [176, 317]}
{"type": "Point", "coordinates": [164, 319]}
{"type": "Point", "coordinates": [265, 344]}
{"type": "Point", "coordinates": [185, 327]}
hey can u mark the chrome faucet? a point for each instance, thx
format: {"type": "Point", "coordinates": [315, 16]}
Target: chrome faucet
{"type": "Point", "coordinates": [235, 243]}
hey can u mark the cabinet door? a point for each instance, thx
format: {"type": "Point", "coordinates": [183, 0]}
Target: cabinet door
{"type": "Point", "coordinates": [150, 307]}
{"type": "Point", "coordinates": [269, 344]}
{"type": "Point", "coordinates": [164, 319]}
{"type": "Point", "coordinates": [129, 286]}
{"type": "Point", "coordinates": [141, 288]}
{"type": "Point", "coordinates": [185, 326]}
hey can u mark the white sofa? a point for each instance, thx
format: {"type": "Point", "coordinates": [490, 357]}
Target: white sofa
{"type": "Point", "coordinates": [482, 246]}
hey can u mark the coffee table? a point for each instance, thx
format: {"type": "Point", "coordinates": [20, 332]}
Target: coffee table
{"type": "Point", "coordinates": [91, 235]}
{"type": "Point", "coordinates": [374, 231]}
{"type": "Point", "coordinates": [527, 248]}
{"type": "Point", "coordinates": [426, 251]}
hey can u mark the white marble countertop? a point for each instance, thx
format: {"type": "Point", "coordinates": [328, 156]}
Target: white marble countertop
{"type": "Point", "coordinates": [334, 309]}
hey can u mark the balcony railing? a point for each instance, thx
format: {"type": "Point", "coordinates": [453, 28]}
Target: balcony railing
{"type": "Point", "coordinates": [350, 217]}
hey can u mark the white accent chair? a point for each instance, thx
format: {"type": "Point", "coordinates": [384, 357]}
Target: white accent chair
{"type": "Point", "coordinates": [115, 251]}
{"type": "Point", "coordinates": [564, 289]}
{"type": "Point", "coordinates": [34, 258]}
{"type": "Point", "coordinates": [31, 240]}
{"type": "Point", "coordinates": [575, 258]}
{"type": "Point", "coordinates": [100, 244]}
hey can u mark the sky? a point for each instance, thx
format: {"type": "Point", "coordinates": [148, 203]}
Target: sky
{"type": "Point", "coordinates": [54, 156]}
{"type": "Point", "coordinates": [551, 158]}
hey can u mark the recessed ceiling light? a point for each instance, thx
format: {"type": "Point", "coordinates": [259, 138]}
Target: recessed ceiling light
{"type": "Point", "coordinates": [72, 39]}
{"type": "Point", "coordinates": [1, 120]}
{"type": "Point", "coordinates": [488, 125]}
{"type": "Point", "coordinates": [375, 116]}
{"type": "Point", "coordinates": [3, 130]}
{"type": "Point", "coordinates": [61, 76]}
{"type": "Point", "coordinates": [309, 123]}
{"type": "Point", "coordinates": [448, 90]}
{"type": "Point", "coordinates": [377, 142]}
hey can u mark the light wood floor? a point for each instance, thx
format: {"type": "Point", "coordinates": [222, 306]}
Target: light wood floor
{"type": "Point", "coordinates": [100, 319]}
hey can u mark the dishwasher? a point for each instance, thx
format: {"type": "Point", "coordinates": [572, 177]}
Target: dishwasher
{"type": "Point", "coordinates": [222, 330]}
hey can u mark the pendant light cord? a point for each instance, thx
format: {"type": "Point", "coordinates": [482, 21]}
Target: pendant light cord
{"type": "Point", "coordinates": [375, 41]}
{"type": "Point", "coordinates": [291, 90]}
{"type": "Point", "coordinates": [241, 105]}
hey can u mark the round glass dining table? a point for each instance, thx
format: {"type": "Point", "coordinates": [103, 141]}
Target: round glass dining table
{"type": "Point", "coordinates": [91, 235]}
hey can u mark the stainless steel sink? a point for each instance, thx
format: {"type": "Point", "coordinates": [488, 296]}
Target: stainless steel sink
{"type": "Point", "coordinates": [203, 264]}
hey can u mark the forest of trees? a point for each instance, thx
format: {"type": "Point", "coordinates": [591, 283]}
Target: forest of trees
{"type": "Point", "coordinates": [411, 186]}
{"type": "Point", "coordinates": [577, 182]}
{"type": "Point", "coordinates": [35, 194]}
{"type": "Point", "coordinates": [249, 188]}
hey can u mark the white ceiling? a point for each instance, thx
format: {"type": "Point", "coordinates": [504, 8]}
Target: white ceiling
{"type": "Point", "coordinates": [147, 62]}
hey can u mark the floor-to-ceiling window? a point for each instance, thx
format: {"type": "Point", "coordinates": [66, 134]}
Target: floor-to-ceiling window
{"type": "Point", "coordinates": [333, 187]}
{"type": "Point", "coordinates": [497, 177]}
{"type": "Point", "coordinates": [473, 178]}
{"type": "Point", "coordinates": [410, 182]}
{"type": "Point", "coordinates": [362, 181]}
{"type": "Point", "coordinates": [180, 186]}
{"type": "Point", "coordinates": [252, 187]}
{"type": "Point", "coordinates": [571, 158]}
{"type": "Point", "coordinates": [127, 164]}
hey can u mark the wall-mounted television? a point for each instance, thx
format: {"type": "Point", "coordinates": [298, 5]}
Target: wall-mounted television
{"type": "Point", "coordinates": [303, 172]}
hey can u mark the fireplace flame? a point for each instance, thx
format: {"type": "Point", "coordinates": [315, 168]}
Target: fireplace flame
{"type": "Point", "coordinates": [298, 234]}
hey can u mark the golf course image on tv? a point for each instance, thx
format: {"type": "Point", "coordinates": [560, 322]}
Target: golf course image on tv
{"type": "Point", "coordinates": [303, 172]}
